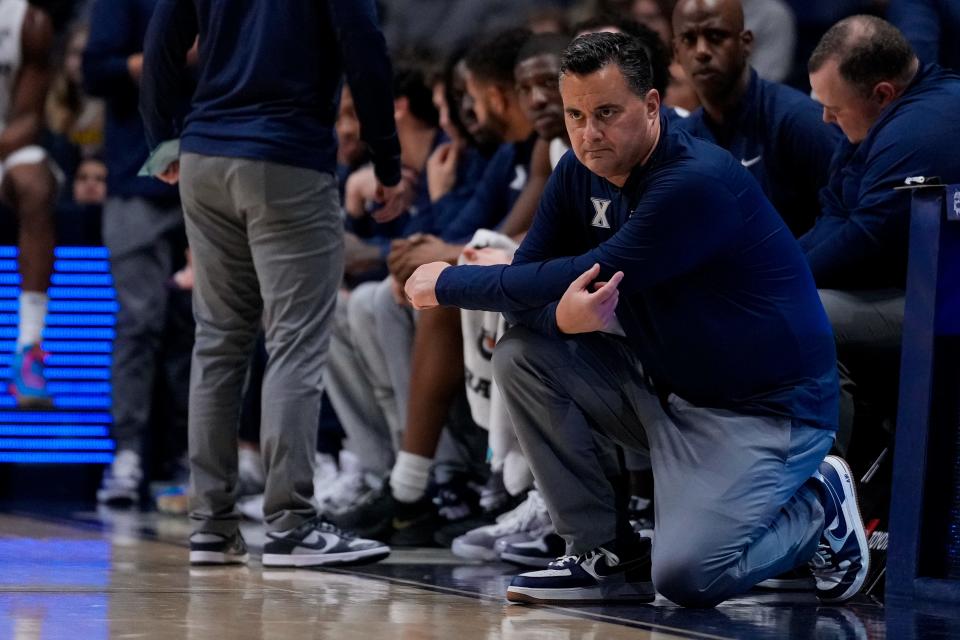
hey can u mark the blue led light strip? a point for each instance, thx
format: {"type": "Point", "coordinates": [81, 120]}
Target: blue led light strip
{"type": "Point", "coordinates": [68, 306]}
{"type": "Point", "coordinates": [60, 444]}
{"type": "Point", "coordinates": [64, 279]}
{"type": "Point", "coordinates": [76, 374]}
{"type": "Point", "coordinates": [71, 360]}
{"type": "Point", "coordinates": [66, 402]}
{"type": "Point", "coordinates": [57, 388]}
{"type": "Point", "coordinates": [65, 333]}
{"type": "Point", "coordinates": [54, 417]}
{"type": "Point", "coordinates": [65, 320]}
{"type": "Point", "coordinates": [65, 293]}
{"type": "Point", "coordinates": [82, 253]}
{"type": "Point", "coordinates": [32, 430]}
{"type": "Point", "coordinates": [55, 458]}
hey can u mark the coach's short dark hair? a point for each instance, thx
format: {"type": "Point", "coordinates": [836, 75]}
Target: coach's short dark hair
{"type": "Point", "coordinates": [868, 50]}
{"type": "Point", "coordinates": [660, 55]}
{"type": "Point", "coordinates": [493, 58]}
{"type": "Point", "coordinates": [593, 51]}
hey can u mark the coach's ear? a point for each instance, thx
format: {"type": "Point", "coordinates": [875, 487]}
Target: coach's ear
{"type": "Point", "coordinates": [653, 104]}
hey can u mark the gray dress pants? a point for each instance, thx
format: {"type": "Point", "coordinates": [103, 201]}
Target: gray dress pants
{"type": "Point", "coordinates": [267, 242]}
{"type": "Point", "coordinates": [733, 497]}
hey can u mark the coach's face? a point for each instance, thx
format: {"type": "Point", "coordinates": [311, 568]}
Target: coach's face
{"type": "Point", "coordinates": [612, 129]}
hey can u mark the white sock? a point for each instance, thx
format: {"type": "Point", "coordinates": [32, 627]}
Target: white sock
{"type": "Point", "coordinates": [33, 314]}
{"type": "Point", "coordinates": [409, 477]}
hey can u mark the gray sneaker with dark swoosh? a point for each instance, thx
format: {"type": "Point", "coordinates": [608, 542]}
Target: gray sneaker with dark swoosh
{"type": "Point", "coordinates": [317, 542]}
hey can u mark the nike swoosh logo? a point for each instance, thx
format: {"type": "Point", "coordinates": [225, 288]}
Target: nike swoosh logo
{"type": "Point", "coordinates": [752, 161]}
{"type": "Point", "coordinates": [838, 532]}
{"type": "Point", "coordinates": [320, 545]}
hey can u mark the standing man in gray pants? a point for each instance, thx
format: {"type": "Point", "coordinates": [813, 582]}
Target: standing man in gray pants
{"type": "Point", "coordinates": [261, 207]}
{"type": "Point", "coordinates": [664, 305]}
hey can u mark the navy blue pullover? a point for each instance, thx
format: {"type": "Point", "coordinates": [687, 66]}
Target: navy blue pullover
{"type": "Point", "coordinates": [778, 134]}
{"type": "Point", "coordinates": [860, 239]}
{"type": "Point", "coordinates": [117, 29]}
{"type": "Point", "coordinates": [269, 80]}
{"type": "Point", "coordinates": [716, 299]}
{"type": "Point", "coordinates": [503, 180]}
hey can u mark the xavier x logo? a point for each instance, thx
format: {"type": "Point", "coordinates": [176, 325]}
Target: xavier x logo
{"type": "Point", "coordinates": [600, 206]}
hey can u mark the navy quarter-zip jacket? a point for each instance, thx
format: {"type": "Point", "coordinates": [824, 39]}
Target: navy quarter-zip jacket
{"type": "Point", "coordinates": [717, 299]}
{"type": "Point", "coordinates": [860, 239]}
{"type": "Point", "coordinates": [778, 134]}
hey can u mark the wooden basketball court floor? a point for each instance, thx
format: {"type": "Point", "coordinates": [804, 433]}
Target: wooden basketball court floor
{"type": "Point", "coordinates": [78, 574]}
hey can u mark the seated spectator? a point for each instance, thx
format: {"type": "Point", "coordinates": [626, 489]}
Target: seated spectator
{"type": "Point", "coordinates": [898, 116]}
{"type": "Point", "coordinates": [90, 182]}
{"type": "Point", "coordinates": [774, 131]}
{"type": "Point", "coordinates": [74, 119]}
{"type": "Point", "coordinates": [931, 26]}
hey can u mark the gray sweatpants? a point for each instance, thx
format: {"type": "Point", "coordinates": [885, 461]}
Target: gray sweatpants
{"type": "Point", "coordinates": [267, 242]}
{"type": "Point", "coordinates": [732, 499]}
{"type": "Point", "coordinates": [142, 237]}
{"type": "Point", "coordinates": [359, 384]}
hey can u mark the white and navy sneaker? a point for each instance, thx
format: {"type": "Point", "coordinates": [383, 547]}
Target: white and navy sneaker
{"type": "Point", "coordinates": [317, 542]}
{"type": "Point", "coordinates": [842, 562]}
{"type": "Point", "coordinates": [599, 575]}
{"type": "Point", "coordinates": [213, 548]}
{"type": "Point", "coordinates": [528, 521]}
{"type": "Point", "coordinates": [537, 551]}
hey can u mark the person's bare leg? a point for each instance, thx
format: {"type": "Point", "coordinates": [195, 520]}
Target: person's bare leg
{"type": "Point", "coordinates": [30, 188]}
{"type": "Point", "coordinates": [436, 378]}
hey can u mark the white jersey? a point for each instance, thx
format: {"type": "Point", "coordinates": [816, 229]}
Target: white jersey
{"type": "Point", "coordinates": [12, 14]}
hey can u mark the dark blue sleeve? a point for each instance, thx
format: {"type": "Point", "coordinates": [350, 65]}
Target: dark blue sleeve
{"type": "Point", "coordinates": [370, 76]}
{"type": "Point", "coordinates": [172, 31]}
{"type": "Point", "coordinates": [489, 199]}
{"type": "Point", "coordinates": [683, 221]}
{"type": "Point", "coordinates": [110, 43]}
{"type": "Point", "coordinates": [919, 21]}
{"type": "Point", "coordinates": [844, 237]}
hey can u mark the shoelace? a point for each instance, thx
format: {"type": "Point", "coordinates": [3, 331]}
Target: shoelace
{"type": "Point", "coordinates": [328, 527]}
{"type": "Point", "coordinates": [823, 559]}
{"type": "Point", "coordinates": [563, 561]}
